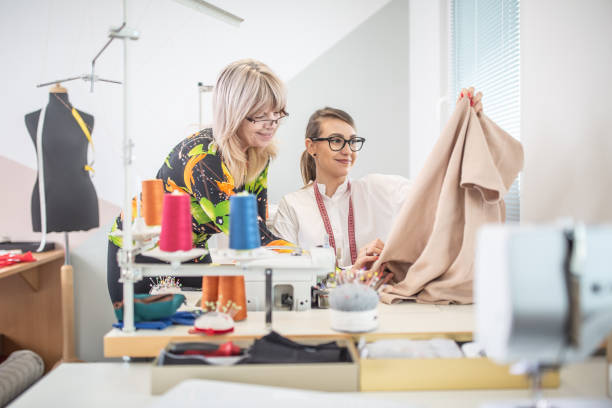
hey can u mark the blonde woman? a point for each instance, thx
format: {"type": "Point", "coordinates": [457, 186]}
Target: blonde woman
{"type": "Point", "coordinates": [249, 103]}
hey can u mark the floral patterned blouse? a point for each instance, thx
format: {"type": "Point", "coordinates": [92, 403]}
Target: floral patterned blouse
{"type": "Point", "coordinates": [195, 167]}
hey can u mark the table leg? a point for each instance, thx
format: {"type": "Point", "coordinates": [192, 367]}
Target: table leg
{"type": "Point", "coordinates": [609, 367]}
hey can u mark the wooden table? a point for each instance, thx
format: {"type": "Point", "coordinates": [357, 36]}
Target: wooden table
{"type": "Point", "coordinates": [31, 306]}
{"type": "Point", "coordinates": [406, 319]}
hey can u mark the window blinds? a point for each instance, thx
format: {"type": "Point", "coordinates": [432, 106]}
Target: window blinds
{"type": "Point", "coordinates": [484, 48]}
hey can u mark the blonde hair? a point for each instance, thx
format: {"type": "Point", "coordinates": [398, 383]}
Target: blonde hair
{"type": "Point", "coordinates": [308, 165]}
{"type": "Point", "coordinates": [244, 88]}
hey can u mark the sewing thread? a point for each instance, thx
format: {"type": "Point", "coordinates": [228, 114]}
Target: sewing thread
{"type": "Point", "coordinates": [152, 201]}
{"type": "Point", "coordinates": [176, 223]}
{"type": "Point", "coordinates": [244, 229]}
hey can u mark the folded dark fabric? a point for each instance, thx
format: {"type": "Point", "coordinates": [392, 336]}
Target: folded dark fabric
{"type": "Point", "coordinates": [270, 349]}
{"type": "Point", "coordinates": [276, 349]}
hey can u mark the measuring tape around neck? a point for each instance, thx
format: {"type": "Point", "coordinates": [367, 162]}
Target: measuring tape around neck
{"type": "Point", "coordinates": [327, 224]}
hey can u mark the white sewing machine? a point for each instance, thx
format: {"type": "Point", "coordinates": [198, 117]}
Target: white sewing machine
{"type": "Point", "coordinates": [294, 275]}
{"type": "Point", "coordinates": [289, 276]}
{"type": "Point", "coordinates": [543, 294]}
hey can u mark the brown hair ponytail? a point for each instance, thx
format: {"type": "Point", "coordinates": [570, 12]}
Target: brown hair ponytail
{"type": "Point", "coordinates": [313, 130]}
{"type": "Point", "coordinates": [308, 168]}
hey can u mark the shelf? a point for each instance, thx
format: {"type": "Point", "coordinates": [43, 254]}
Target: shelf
{"type": "Point", "coordinates": [29, 271]}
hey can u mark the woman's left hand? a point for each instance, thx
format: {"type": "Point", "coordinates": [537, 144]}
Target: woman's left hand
{"type": "Point", "coordinates": [372, 248]}
{"type": "Point", "coordinates": [368, 255]}
{"type": "Point", "coordinates": [364, 262]}
{"type": "Point", "coordinates": [475, 99]}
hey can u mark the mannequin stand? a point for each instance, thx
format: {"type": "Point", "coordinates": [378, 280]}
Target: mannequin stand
{"type": "Point", "coordinates": [67, 285]}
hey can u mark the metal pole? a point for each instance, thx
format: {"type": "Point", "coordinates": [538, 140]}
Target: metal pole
{"type": "Point", "coordinates": [202, 89]}
{"type": "Point", "coordinates": [67, 253]}
{"type": "Point", "coordinates": [199, 106]}
{"type": "Point", "coordinates": [93, 61]}
{"type": "Point", "coordinates": [126, 272]}
{"type": "Point", "coordinates": [269, 299]}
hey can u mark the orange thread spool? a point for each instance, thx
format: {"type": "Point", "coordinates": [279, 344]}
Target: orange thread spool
{"type": "Point", "coordinates": [224, 288]}
{"type": "Point", "coordinates": [210, 289]}
{"type": "Point", "coordinates": [152, 201]}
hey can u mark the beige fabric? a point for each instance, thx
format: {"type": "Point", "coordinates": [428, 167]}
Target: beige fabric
{"type": "Point", "coordinates": [461, 187]}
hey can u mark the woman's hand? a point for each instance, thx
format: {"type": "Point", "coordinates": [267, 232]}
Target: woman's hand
{"type": "Point", "coordinates": [368, 255]}
{"type": "Point", "coordinates": [475, 99]}
{"type": "Point", "coordinates": [373, 248]}
{"type": "Point", "coordinates": [364, 262]}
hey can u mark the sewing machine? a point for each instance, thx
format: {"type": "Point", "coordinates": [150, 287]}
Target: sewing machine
{"type": "Point", "coordinates": [543, 294]}
{"type": "Point", "coordinates": [288, 277]}
{"type": "Point", "coordinates": [294, 275]}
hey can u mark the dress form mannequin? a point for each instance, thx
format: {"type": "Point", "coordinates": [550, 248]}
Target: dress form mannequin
{"type": "Point", "coordinates": [70, 197]}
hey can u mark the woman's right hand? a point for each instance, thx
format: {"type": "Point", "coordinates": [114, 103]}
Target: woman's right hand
{"type": "Point", "coordinates": [475, 98]}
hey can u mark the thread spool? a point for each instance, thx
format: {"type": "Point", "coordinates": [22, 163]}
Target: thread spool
{"type": "Point", "coordinates": [233, 288]}
{"type": "Point", "coordinates": [176, 223]}
{"type": "Point", "coordinates": [152, 201]}
{"type": "Point", "coordinates": [224, 288]}
{"type": "Point", "coordinates": [210, 289]}
{"type": "Point", "coordinates": [244, 229]}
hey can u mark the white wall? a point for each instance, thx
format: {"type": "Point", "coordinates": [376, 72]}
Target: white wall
{"type": "Point", "coordinates": [566, 109]}
{"type": "Point", "coordinates": [428, 77]}
{"type": "Point", "coordinates": [41, 41]}
{"type": "Point", "coordinates": [365, 74]}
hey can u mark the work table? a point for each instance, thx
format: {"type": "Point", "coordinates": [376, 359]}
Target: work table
{"type": "Point", "coordinates": [405, 319]}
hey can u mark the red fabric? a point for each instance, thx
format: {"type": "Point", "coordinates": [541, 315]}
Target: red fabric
{"type": "Point", "coordinates": [225, 349]}
{"type": "Point", "coordinates": [195, 330]}
{"type": "Point", "coordinates": [11, 259]}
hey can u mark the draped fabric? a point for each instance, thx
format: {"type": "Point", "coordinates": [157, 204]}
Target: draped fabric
{"type": "Point", "coordinates": [431, 247]}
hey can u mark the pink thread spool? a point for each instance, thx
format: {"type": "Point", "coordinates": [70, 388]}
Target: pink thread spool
{"type": "Point", "coordinates": [176, 223]}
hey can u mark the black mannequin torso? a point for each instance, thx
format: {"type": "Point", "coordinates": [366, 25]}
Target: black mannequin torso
{"type": "Point", "coordinates": [71, 200]}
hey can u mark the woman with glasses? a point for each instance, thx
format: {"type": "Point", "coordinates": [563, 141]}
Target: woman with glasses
{"type": "Point", "coordinates": [210, 166]}
{"type": "Point", "coordinates": [331, 208]}
{"type": "Point", "coordinates": [352, 216]}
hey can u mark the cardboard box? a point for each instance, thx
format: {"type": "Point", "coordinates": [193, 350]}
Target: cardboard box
{"type": "Point", "coordinates": [342, 377]}
{"type": "Point", "coordinates": [442, 374]}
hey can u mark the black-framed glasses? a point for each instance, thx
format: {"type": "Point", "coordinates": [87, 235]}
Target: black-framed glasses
{"type": "Point", "coordinates": [261, 122]}
{"type": "Point", "coordinates": [337, 143]}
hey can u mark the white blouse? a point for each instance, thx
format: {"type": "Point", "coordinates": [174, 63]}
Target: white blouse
{"type": "Point", "coordinates": [377, 198]}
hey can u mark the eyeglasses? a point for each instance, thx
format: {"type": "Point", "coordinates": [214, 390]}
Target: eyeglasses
{"type": "Point", "coordinates": [337, 143]}
{"type": "Point", "coordinates": [261, 122]}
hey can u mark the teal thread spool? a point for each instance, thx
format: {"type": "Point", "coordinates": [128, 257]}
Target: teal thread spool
{"type": "Point", "coordinates": [244, 228]}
